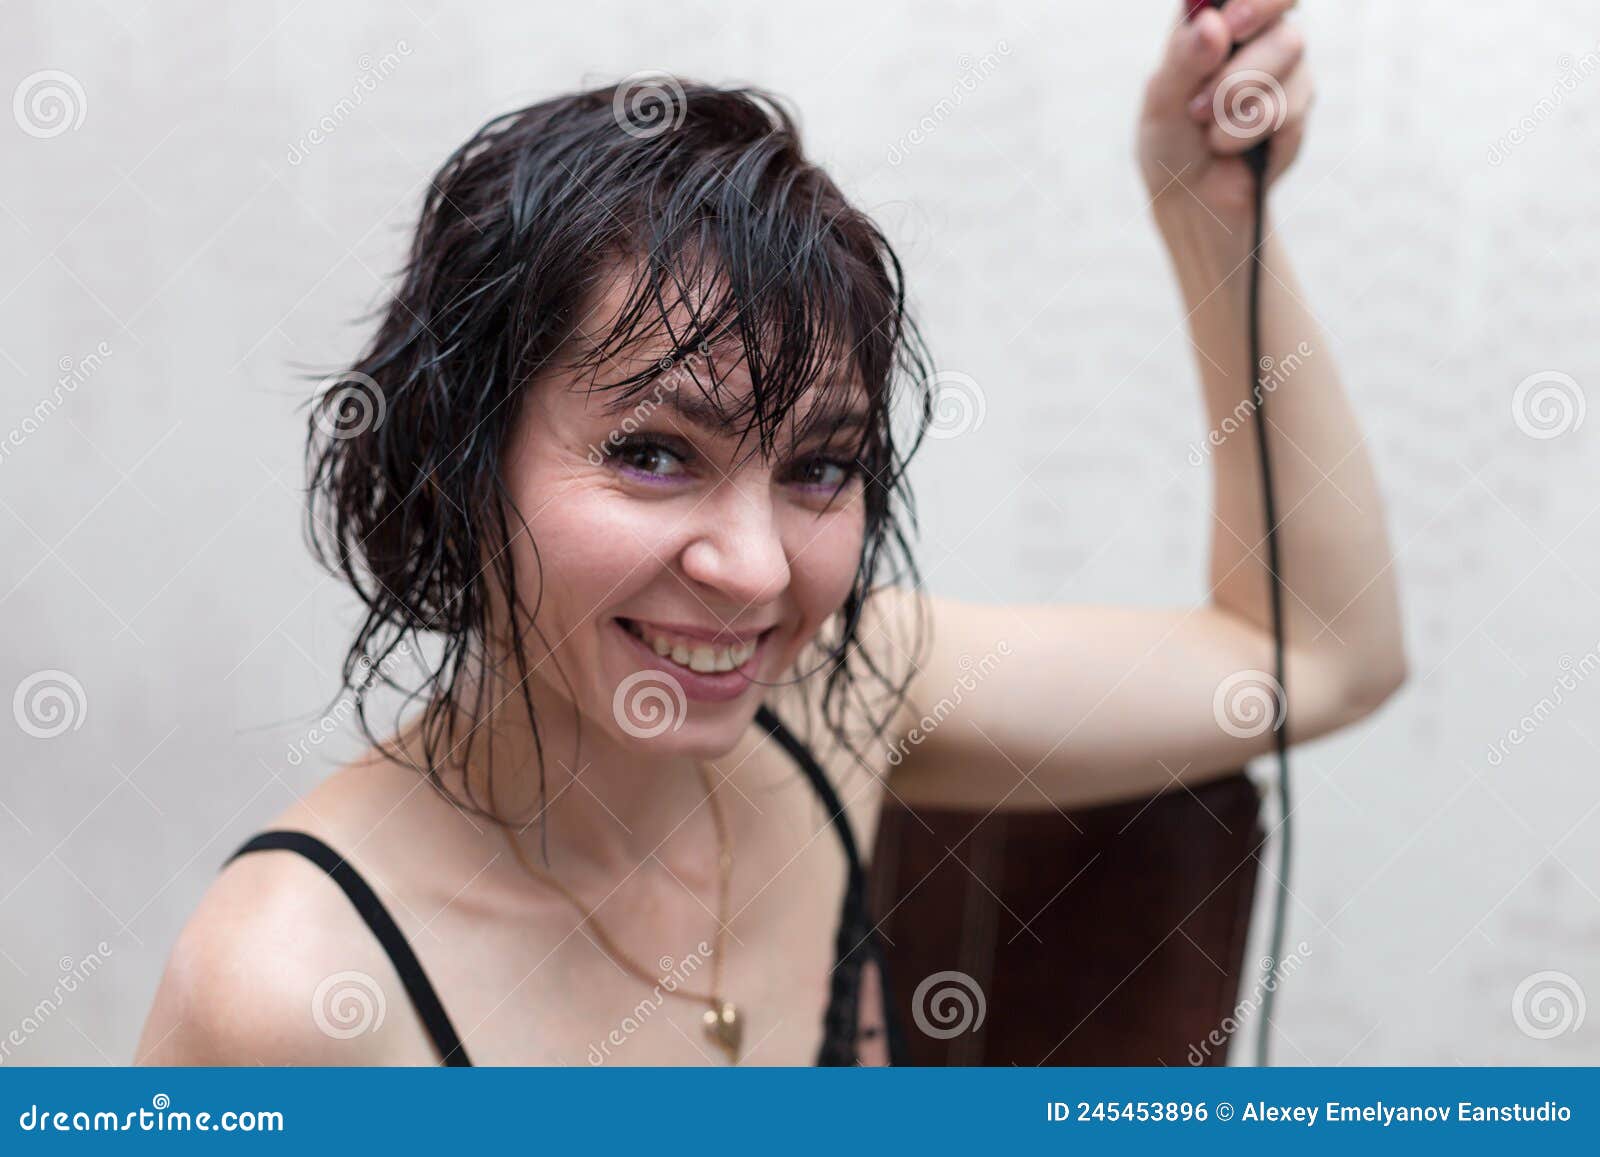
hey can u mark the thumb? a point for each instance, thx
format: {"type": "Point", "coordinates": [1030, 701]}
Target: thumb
{"type": "Point", "coordinates": [1195, 50]}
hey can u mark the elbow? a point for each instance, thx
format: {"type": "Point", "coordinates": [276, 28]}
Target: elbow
{"type": "Point", "coordinates": [1375, 683]}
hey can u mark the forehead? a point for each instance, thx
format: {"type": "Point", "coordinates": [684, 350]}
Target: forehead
{"type": "Point", "coordinates": [679, 349]}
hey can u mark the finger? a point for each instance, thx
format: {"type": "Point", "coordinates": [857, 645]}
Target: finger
{"type": "Point", "coordinates": [1195, 50]}
{"type": "Point", "coordinates": [1245, 18]}
{"type": "Point", "coordinates": [1302, 92]}
{"type": "Point", "coordinates": [1275, 53]}
{"type": "Point", "coordinates": [1302, 95]}
{"type": "Point", "coordinates": [1257, 106]}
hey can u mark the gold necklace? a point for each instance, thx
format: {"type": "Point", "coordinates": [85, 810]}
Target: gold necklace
{"type": "Point", "coordinates": [722, 1020]}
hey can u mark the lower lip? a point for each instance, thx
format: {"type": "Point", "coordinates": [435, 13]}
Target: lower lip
{"type": "Point", "coordinates": [701, 686]}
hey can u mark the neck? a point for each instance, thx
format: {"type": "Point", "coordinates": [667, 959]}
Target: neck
{"type": "Point", "coordinates": [605, 809]}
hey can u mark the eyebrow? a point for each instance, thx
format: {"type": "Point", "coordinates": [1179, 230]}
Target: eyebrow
{"type": "Point", "coordinates": [698, 410]}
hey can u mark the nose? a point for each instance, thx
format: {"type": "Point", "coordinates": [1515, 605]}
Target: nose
{"type": "Point", "coordinates": [736, 549]}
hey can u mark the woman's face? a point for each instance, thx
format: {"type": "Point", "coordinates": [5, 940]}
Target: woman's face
{"type": "Point", "coordinates": [678, 566]}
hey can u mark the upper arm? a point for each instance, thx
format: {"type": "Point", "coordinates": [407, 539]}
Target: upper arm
{"type": "Point", "coordinates": [267, 972]}
{"type": "Point", "coordinates": [1028, 705]}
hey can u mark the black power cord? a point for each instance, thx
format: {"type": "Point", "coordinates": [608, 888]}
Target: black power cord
{"type": "Point", "coordinates": [1256, 159]}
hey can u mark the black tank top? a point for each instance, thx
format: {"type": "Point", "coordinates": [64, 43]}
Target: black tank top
{"type": "Point", "coordinates": [858, 940]}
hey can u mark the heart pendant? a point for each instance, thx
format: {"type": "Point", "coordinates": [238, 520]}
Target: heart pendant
{"type": "Point", "coordinates": [724, 1029]}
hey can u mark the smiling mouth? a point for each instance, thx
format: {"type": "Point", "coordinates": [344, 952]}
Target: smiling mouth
{"type": "Point", "coordinates": [697, 655]}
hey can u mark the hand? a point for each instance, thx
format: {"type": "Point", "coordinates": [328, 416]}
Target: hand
{"type": "Point", "coordinates": [1203, 109]}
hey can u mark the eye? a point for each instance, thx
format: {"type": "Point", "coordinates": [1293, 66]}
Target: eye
{"type": "Point", "coordinates": [825, 474]}
{"type": "Point", "coordinates": [647, 457]}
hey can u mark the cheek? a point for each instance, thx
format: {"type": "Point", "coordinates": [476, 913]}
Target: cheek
{"type": "Point", "coordinates": [823, 562]}
{"type": "Point", "coordinates": [583, 540]}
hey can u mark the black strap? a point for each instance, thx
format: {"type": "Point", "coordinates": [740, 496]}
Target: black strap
{"type": "Point", "coordinates": [366, 902]}
{"type": "Point", "coordinates": [858, 939]}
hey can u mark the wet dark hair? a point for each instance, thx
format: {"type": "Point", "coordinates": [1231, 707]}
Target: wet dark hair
{"type": "Point", "coordinates": [732, 241]}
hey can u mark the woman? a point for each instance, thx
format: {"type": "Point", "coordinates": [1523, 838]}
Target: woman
{"type": "Point", "coordinates": [621, 484]}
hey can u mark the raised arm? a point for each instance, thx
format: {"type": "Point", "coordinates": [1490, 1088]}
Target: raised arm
{"type": "Point", "coordinates": [1078, 704]}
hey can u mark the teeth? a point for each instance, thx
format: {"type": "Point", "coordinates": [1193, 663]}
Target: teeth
{"type": "Point", "coordinates": [702, 658]}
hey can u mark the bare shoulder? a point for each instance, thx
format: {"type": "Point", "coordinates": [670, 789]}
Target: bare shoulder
{"type": "Point", "coordinates": [275, 966]}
